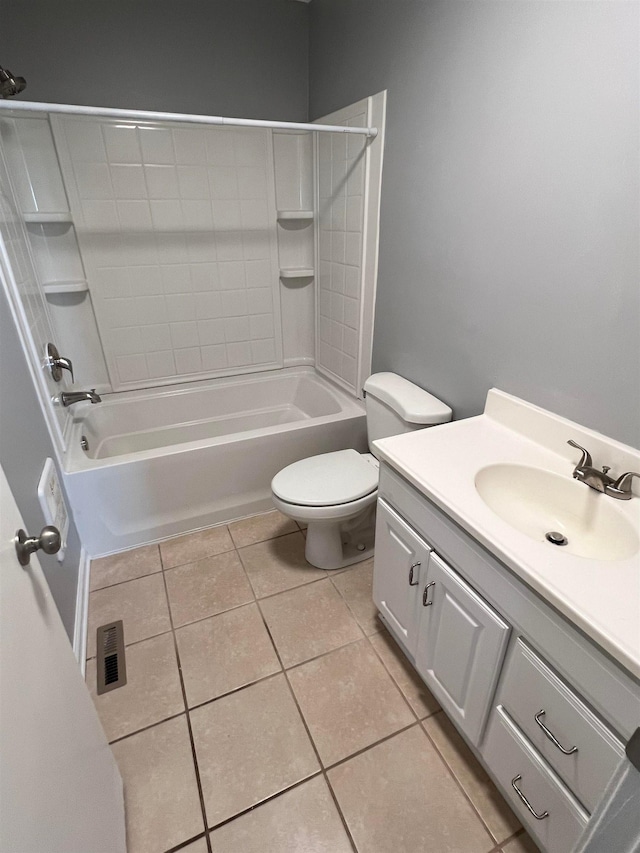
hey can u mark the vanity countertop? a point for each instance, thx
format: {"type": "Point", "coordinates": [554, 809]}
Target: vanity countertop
{"type": "Point", "coordinates": [601, 597]}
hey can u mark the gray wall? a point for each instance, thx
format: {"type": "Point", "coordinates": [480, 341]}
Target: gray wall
{"type": "Point", "coordinates": [244, 58]}
{"type": "Point", "coordinates": [509, 222]}
{"type": "Point", "coordinates": [24, 447]}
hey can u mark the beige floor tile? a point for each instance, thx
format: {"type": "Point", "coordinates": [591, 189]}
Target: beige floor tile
{"type": "Point", "coordinates": [207, 587]}
{"type": "Point", "coordinates": [199, 846]}
{"type": "Point", "coordinates": [309, 621]}
{"type": "Point", "coordinates": [348, 701]}
{"type": "Point", "coordinates": [126, 566]}
{"type": "Point", "coordinates": [278, 564]}
{"type": "Point", "coordinates": [141, 604]}
{"type": "Point", "coordinates": [162, 806]}
{"type": "Point", "coordinates": [415, 690]}
{"type": "Point", "coordinates": [491, 805]}
{"type": "Point", "coordinates": [152, 692]}
{"type": "Point", "coordinates": [250, 745]}
{"type": "Point", "coordinates": [522, 844]}
{"type": "Point", "coordinates": [356, 587]}
{"type": "Point", "coordinates": [225, 652]}
{"type": "Point", "coordinates": [258, 528]}
{"type": "Point", "coordinates": [195, 546]}
{"type": "Point", "coordinates": [398, 797]}
{"type": "Point", "coordinates": [304, 820]}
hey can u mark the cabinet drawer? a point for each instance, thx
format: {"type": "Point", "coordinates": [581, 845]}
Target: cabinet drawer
{"type": "Point", "coordinates": [514, 761]}
{"type": "Point", "coordinates": [535, 697]}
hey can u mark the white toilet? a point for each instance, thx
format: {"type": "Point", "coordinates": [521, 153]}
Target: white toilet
{"type": "Point", "coordinates": [335, 493]}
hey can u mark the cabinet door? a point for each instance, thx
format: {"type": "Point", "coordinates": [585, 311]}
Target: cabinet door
{"type": "Point", "coordinates": [460, 648]}
{"type": "Point", "coordinates": [399, 567]}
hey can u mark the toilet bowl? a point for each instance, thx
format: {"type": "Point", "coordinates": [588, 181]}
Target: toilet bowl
{"type": "Point", "coordinates": [335, 494]}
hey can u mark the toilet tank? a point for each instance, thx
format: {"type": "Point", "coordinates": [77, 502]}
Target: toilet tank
{"type": "Point", "coordinates": [395, 405]}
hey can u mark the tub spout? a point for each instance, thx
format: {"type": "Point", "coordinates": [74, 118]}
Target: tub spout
{"type": "Point", "coordinates": [68, 398]}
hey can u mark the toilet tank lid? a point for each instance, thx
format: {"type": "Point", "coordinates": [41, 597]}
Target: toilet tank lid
{"type": "Point", "coordinates": [413, 404]}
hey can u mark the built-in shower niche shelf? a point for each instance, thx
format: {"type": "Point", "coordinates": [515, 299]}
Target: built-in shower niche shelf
{"type": "Point", "coordinates": [72, 286]}
{"type": "Point", "coordinates": [41, 218]}
{"type": "Point", "coordinates": [297, 272]}
{"type": "Point", "coordinates": [294, 215]}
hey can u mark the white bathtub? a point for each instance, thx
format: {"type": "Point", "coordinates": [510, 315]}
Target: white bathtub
{"type": "Point", "coordinates": [165, 462]}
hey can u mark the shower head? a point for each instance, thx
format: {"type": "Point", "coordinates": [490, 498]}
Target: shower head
{"type": "Point", "coordinates": [10, 85]}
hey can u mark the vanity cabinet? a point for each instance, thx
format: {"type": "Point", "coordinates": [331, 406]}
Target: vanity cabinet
{"type": "Point", "coordinates": [543, 709]}
{"type": "Point", "coordinates": [457, 641]}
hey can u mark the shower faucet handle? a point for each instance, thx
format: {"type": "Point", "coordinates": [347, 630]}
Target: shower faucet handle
{"type": "Point", "coordinates": [57, 363]}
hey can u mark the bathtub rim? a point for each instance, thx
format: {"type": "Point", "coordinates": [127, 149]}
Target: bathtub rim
{"type": "Point", "coordinates": [75, 460]}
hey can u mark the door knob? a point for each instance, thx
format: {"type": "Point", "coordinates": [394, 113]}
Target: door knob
{"type": "Point", "coordinates": [49, 541]}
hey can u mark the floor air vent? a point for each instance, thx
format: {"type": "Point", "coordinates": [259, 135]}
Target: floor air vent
{"type": "Point", "coordinates": [112, 669]}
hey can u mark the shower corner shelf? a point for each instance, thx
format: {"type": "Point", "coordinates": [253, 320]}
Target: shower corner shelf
{"type": "Point", "coordinates": [41, 218]}
{"type": "Point", "coordinates": [284, 215]}
{"type": "Point", "coordinates": [297, 272]}
{"type": "Point", "coordinates": [71, 286]}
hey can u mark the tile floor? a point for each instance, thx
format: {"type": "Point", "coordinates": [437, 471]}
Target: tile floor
{"type": "Point", "coordinates": [267, 708]}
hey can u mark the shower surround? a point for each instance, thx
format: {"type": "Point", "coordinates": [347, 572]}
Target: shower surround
{"type": "Point", "coordinates": [179, 262]}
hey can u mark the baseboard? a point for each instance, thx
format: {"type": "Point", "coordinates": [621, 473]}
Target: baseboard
{"type": "Point", "coordinates": [82, 611]}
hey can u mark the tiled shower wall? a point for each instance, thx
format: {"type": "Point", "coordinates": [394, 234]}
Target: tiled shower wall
{"type": "Point", "coordinates": [20, 263]}
{"type": "Point", "coordinates": [177, 230]}
{"type": "Point", "coordinates": [341, 202]}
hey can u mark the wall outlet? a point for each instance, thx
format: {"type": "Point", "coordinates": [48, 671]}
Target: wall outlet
{"type": "Point", "coordinates": [52, 502]}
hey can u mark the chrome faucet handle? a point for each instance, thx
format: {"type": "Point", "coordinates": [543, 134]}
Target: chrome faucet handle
{"type": "Point", "coordinates": [623, 483]}
{"type": "Point", "coordinates": [57, 363]}
{"type": "Point", "coordinates": [586, 456]}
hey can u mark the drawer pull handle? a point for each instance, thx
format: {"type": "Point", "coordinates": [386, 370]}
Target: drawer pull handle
{"type": "Point", "coordinates": [514, 785]}
{"type": "Point", "coordinates": [414, 566]}
{"type": "Point", "coordinates": [554, 740]}
{"type": "Point", "coordinates": [425, 595]}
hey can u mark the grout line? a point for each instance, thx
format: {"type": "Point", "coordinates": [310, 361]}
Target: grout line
{"type": "Point", "coordinates": [146, 728]}
{"type": "Point", "coordinates": [128, 580]}
{"type": "Point", "coordinates": [184, 844]}
{"type": "Point", "coordinates": [262, 541]}
{"type": "Point", "coordinates": [371, 746]}
{"type": "Point", "coordinates": [392, 679]}
{"type": "Point", "coordinates": [263, 802]}
{"type": "Point", "coordinates": [459, 785]}
{"type": "Point", "coordinates": [188, 719]}
{"type": "Point", "coordinates": [311, 740]}
{"type": "Point", "coordinates": [236, 690]}
{"type": "Point", "coordinates": [196, 561]}
{"type": "Point", "coordinates": [322, 654]}
{"type": "Point", "coordinates": [397, 684]}
{"type": "Point", "coordinates": [137, 642]}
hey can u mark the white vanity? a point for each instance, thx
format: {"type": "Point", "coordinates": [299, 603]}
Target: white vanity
{"type": "Point", "coordinates": [532, 648]}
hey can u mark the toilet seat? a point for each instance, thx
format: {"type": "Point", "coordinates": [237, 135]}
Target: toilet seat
{"type": "Point", "coordinates": [329, 479]}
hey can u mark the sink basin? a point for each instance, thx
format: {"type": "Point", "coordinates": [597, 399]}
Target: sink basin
{"type": "Point", "coordinates": [536, 502]}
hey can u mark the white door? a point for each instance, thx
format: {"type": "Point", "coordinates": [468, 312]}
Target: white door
{"type": "Point", "coordinates": [399, 563]}
{"type": "Point", "coordinates": [60, 790]}
{"type": "Point", "coordinates": [460, 648]}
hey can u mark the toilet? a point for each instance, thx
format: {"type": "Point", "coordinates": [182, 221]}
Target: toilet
{"type": "Point", "coordinates": [335, 493]}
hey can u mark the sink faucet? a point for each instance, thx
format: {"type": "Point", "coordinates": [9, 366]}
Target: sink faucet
{"type": "Point", "coordinates": [600, 480]}
{"type": "Point", "coordinates": [68, 398]}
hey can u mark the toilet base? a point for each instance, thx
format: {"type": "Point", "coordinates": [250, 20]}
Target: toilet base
{"type": "Point", "coordinates": [332, 545]}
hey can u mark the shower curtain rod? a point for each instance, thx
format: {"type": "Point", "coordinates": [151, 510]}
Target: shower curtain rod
{"type": "Point", "coordinates": [146, 115]}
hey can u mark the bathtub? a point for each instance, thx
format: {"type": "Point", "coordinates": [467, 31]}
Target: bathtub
{"type": "Point", "coordinates": [160, 463]}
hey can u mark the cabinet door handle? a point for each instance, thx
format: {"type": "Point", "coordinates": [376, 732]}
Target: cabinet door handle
{"type": "Point", "coordinates": [554, 740]}
{"type": "Point", "coordinates": [414, 566]}
{"type": "Point", "coordinates": [514, 785]}
{"type": "Point", "coordinates": [425, 595]}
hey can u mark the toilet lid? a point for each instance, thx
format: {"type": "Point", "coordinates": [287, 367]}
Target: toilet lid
{"type": "Point", "coordinates": [327, 479]}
